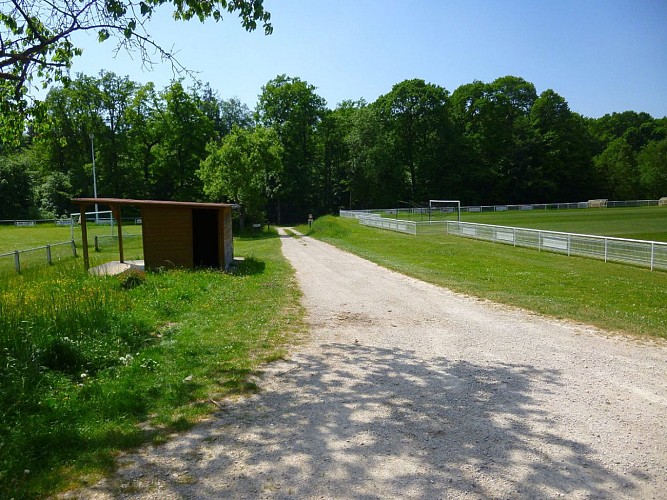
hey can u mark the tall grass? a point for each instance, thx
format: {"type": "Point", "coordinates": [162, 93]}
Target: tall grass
{"type": "Point", "coordinates": [84, 359]}
{"type": "Point", "coordinates": [611, 296]}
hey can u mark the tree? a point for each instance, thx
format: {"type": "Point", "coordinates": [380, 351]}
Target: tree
{"type": "Point", "coordinates": [35, 38]}
{"type": "Point", "coordinates": [184, 131]}
{"type": "Point", "coordinates": [244, 168]}
{"type": "Point", "coordinates": [54, 194]}
{"type": "Point", "coordinates": [71, 114]}
{"type": "Point", "coordinates": [415, 114]}
{"type": "Point", "coordinates": [291, 106]}
{"type": "Point", "coordinates": [652, 161]}
{"type": "Point", "coordinates": [143, 134]}
{"type": "Point", "coordinates": [234, 112]}
{"type": "Point", "coordinates": [115, 173]}
{"type": "Point", "coordinates": [16, 186]}
{"type": "Point", "coordinates": [617, 165]}
{"type": "Point", "coordinates": [635, 128]}
{"type": "Point", "coordinates": [562, 157]}
{"type": "Point", "coordinates": [374, 178]}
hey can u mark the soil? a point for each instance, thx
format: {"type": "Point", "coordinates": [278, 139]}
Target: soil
{"type": "Point", "coordinates": [407, 390]}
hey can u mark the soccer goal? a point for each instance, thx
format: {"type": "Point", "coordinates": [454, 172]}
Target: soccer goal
{"type": "Point", "coordinates": [94, 219]}
{"type": "Point", "coordinates": [444, 209]}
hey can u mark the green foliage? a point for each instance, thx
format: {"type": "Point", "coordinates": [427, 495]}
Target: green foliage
{"type": "Point", "coordinates": [36, 40]}
{"type": "Point", "coordinates": [16, 186]}
{"type": "Point", "coordinates": [245, 168]}
{"type": "Point", "coordinates": [291, 107]}
{"type": "Point", "coordinates": [83, 360]}
{"type": "Point", "coordinates": [652, 162]}
{"type": "Point", "coordinates": [617, 166]}
{"type": "Point", "coordinates": [486, 143]}
{"type": "Point", "coordinates": [184, 130]}
{"type": "Point", "coordinates": [414, 114]}
{"type": "Point", "coordinates": [611, 296]}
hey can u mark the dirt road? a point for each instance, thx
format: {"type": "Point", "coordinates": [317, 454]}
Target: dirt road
{"type": "Point", "coordinates": [407, 390]}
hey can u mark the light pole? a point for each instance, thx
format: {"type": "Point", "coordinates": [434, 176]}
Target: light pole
{"type": "Point", "coordinates": [92, 151]}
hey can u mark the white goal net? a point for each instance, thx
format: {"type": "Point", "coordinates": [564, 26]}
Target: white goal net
{"type": "Point", "coordinates": [444, 210]}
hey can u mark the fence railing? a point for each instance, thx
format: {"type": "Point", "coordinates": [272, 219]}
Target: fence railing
{"type": "Point", "coordinates": [503, 208]}
{"type": "Point", "coordinates": [19, 259]}
{"type": "Point", "coordinates": [651, 254]}
{"type": "Point", "coordinates": [102, 239]}
{"type": "Point", "coordinates": [62, 222]}
{"type": "Point", "coordinates": [401, 226]}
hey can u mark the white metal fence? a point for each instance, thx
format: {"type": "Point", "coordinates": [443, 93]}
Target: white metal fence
{"type": "Point", "coordinates": [499, 208]}
{"type": "Point", "coordinates": [401, 226]}
{"type": "Point", "coordinates": [651, 254]}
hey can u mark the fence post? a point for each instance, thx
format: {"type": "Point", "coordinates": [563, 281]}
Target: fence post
{"type": "Point", "coordinates": [48, 254]}
{"type": "Point", "coordinates": [73, 248]}
{"type": "Point", "coordinates": [569, 244]}
{"type": "Point", "coordinates": [652, 254]}
{"type": "Point", "coordinates": [605, 249]}
{"type": "Point", "coordinates": [97, 244]}
{"type": "Point", "coordinates": [17, 261]}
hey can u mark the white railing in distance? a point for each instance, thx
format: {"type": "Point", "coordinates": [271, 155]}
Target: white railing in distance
{"type": "Point", "coordinates": [651, 254]}
{"type": "Point", "coordinates": [401, 226]}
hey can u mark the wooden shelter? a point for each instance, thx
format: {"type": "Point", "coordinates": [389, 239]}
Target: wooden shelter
{"type": "Point", "coordinates": [175, 234]}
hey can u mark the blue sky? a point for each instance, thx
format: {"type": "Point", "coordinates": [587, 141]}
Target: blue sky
{"type": "Point", "coordinates": [601, 56]}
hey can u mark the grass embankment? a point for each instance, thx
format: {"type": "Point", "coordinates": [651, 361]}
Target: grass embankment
{"type": "Point", "coordinates": [611, 296]}
{"type": "Point", "coordinates": [84, 360]}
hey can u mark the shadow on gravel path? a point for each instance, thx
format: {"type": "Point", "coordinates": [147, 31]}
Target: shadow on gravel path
{"type": "Point", "coordinates": [367, 422]}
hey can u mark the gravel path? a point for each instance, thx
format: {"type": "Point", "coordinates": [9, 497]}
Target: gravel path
{"type": "Point", "coordinates": [407, 390]}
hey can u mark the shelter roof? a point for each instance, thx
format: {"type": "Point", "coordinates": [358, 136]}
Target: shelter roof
{"type": "Point", "coordinates": [158, 203]}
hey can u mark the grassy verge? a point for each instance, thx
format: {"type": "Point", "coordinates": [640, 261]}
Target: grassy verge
{"type": "Point", "coordinates": [84, 360]}
{"type": "Point", "coordinates": [610, 296]}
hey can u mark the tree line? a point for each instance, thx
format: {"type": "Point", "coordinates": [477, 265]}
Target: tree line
{"type": "Point", "coordinates": [483, 143]}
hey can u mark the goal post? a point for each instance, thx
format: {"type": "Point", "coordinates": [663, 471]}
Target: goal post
{"type": "Point", "coordinates": [99, 218]}
{"type": "Point", "coordinates": [443, 209]}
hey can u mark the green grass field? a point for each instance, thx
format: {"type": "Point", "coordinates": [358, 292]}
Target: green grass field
{"type": "Point", "coordinates": [84, 360]}
{"type": "Point", "coordinates": [642, 223]}
{"type": "Point", "coordinates": [25, 238]}
{"type": "Point", "coordinates": [611, 296]}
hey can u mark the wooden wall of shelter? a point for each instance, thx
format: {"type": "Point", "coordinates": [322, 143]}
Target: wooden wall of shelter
{"type": "Point", "coordinates": [179, 234]}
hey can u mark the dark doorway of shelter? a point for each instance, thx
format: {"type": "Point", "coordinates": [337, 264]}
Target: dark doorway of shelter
{"type": "Point", "coordinates": [205, 238]}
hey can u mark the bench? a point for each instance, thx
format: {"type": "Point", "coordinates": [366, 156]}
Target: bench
{"type": "Point", "coordinates": [601, 203]}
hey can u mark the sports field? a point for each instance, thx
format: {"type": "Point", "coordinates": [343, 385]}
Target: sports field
{"type": "Point", "coordinates": [640, 223]}
{"type": "Point", "coordinates": [14, 238]}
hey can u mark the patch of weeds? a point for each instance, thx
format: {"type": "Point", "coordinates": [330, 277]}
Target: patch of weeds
{"type": "Point", "coordinates": [131, 278]}
{"type": "Point", "coordinates": [64, 355]}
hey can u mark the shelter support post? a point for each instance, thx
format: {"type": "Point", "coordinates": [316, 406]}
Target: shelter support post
{"type": "Point", "coordinates": [116, 213]}
{"type": "Point", "coordinates": [84, 238]}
